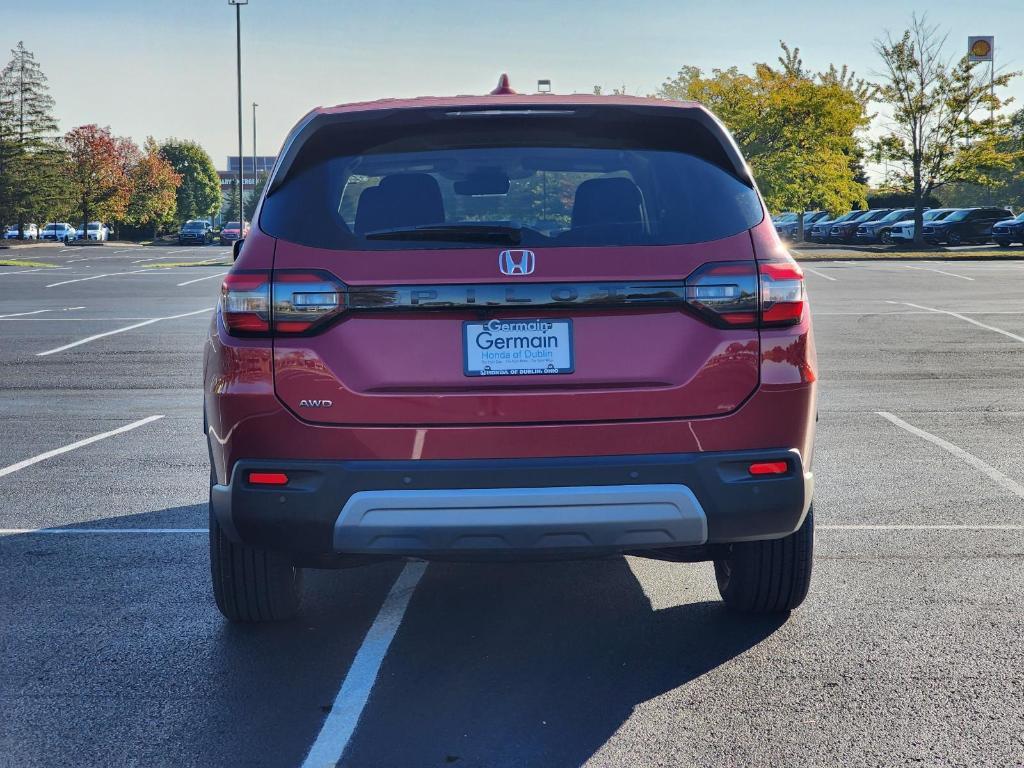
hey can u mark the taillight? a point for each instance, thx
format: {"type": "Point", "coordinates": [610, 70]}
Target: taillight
{"type": "Point", "coordinates": [725, 293]}
{"type": "Point", "coordinates": [738, 294]}
{"type": "Point", "coordinates": [305, 300]}
{"type": "Point", "coordinates": [782, 292]}
{"type": "Point", "coordinates": [293, 302]}
{"type": "Point", "coordinates": [245, 302]}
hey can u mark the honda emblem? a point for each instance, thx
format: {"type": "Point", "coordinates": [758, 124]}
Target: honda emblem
{"type": "Point", "coordinates": [518, 262]}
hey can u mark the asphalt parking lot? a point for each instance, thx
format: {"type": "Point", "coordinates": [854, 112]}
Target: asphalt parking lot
{"type": "Point", "coordinates": [907, 651]}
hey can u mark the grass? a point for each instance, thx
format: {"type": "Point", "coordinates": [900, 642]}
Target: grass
{"type": "Point", "coordinates": [24, 263]}
{"type": "Point", "coordinates": [839, 253]}
{"type": "Point", "coordinates": [207, 263]}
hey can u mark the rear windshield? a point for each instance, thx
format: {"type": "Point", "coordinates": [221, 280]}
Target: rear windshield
{"type": "Point", "coordinates": [561, 190]}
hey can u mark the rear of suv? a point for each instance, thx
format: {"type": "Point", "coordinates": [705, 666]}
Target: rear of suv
{"type": "Point", "coordinates": [510, 327]}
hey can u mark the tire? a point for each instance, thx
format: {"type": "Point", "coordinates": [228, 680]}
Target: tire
{"type": "Point", "coordinates": [954, 239]}
{"type": "Point", "coordinates": [1002, 245]}
{"type": "Point", "coordinates": [768, 576]}
{"type": "Point", "coordinates": [887, 238]}
{"type": "Point", "coordinates": [251, 585]}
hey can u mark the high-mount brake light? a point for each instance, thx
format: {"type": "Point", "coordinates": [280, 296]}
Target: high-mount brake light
{"type": "Point", "coordinates": [245, 302]}
{"type": "Point", "coordinates": [782, 292]}
{"type": "Point", "coordinates": [253, 304]}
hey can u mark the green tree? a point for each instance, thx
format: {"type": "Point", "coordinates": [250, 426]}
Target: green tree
{"type": "Point", "coordinates": [252, 199]}
{"type": "Point", "coordinates": [199, 192]}
{"type": "Point", "coordinates": [932, 134]}
{"type": "Point", "coordinates": [230, 209]}
{"type": "Point", "coordinates": [798, 130]}
{"type": "Point", "coordinates": [154, 200]}
{"type": "Point", "coordinates": [31, 182]}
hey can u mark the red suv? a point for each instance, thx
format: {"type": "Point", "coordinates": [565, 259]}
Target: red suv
{"type": "Point", "coordinates": [510, 326]}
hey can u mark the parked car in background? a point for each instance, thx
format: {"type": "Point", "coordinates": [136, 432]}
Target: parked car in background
{"type": "Point", "coordinates": [231, 232]}
{"type": "Point", "coordinates": [1010, 231]}
{"type": "Point", "coordinates": [967, 225]}
{"type": "Point", "coordinates": [902, 232]}
{"type": "Point", "coordinates": [97, 230]}
{"type": "Point", "coordinates": [877, 231]}
{"type": "Point", "coordinates": [821, 228]}
{"type": "Point", "coordinates": [790, 230]}
{"type": "Point", "coordinates": [195, 231]}
{"type": "Point", "coordinates": [29, 232]}
{"type": "Point", "coordinates": [845, 232]}
{"type": "Point", "coordinates": [61, 231]}
{"type": "Point", "coordinates": [562, 421]}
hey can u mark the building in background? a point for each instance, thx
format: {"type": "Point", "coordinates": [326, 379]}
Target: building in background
{"type": "Point", "coordinates": [263, 165]}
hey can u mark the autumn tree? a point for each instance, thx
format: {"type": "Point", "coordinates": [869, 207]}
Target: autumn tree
{"type": "Point", "coordinates": [100, 172]}
{"type": "Point", "coordinates": [31, 179]}
{"type": "Point", "coordinates": [154, 185]}
{"type": "Point", "coordinates": [198, 195]}
{"type": "Point", "coordinates": [798, 129]}
{"type": "Point", "coordinates": [932, 134]}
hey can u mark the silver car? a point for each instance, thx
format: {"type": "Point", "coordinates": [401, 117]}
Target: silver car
{"type": "Point", "coordinates": [903, 231]}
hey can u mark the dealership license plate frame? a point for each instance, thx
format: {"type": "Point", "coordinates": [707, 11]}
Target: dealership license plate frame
{"type": "Point", "coordinates": [467, 325]}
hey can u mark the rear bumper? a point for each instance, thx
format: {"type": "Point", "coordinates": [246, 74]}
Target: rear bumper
{"type": "Point", "coordinates": [576, 506]}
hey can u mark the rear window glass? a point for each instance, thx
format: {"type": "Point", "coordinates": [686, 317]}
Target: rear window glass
{"type": "Point", "coordinates": [560, 191]}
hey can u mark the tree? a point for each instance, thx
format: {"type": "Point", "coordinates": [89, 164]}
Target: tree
{"type": "Point", "coordinates": [798, 130]}
{"type": "Point", "coordinates": [100, 167]}
{"type": "Point", "coordinates": [31, 185]}
{"type": "Point", "coordinates": [230, 210]}
{"type": "Point", "coordinates": [253, 198]}
{"type": "Point", "coordinates": [199, 191]}
{"type": "Point", "coordinates": [932, 98]}
{"type": "Point", "coordinates": [154, 184]}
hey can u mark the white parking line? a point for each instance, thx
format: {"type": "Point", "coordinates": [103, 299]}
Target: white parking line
{"type": "Point", "coordinates": [939, 271]}
{"type": "Point", "coordinates": [96, 277]}
{"type": "Point", "coordinates": [22, 314]}
{"type": "Point", "coordinates": [21, 531]}
{"type": "Point", "coordinates": [819, 274]}
{"type": "Point", "coordinates": [959, 316]}
{"type": "Point", "coordinates": [206, 277]}
{"type": "Point", "coordinates": [970, 459]}
{"type": "Point", "coordinates": [81, 443]}
{"type": "Point", "coordinates": [105, 319]}
{"type": "Point", "coordinates": [355, 691]}
{"type": "Point", "coordinates": [132, 327]}
{"type": "Point", "coordinates": [919, 527]}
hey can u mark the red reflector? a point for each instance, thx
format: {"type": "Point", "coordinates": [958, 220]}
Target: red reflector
{"type": "Point", "coordinates": [769, 468]}
{"type": "Point", "coordinates": [268, 478]}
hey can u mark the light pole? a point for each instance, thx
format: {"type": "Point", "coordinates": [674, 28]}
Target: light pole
{"type": "Point", "coordinates": [255, 176]}
{"type": "Point", "coordinates": [238, 45]}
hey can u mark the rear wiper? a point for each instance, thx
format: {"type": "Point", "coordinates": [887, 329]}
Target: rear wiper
{"type": "Point", "coordinates": [469, 233]}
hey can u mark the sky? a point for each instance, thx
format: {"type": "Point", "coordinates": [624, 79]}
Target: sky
{"type": "Point", "coordinates": [148, 68]}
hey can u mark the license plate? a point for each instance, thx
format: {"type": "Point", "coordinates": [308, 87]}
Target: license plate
{"type": "Point", "coordinates": [517, 347]}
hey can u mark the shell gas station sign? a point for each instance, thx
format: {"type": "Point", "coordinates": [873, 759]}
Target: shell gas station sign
{"type": "Point", "coordinates": [981, 48]}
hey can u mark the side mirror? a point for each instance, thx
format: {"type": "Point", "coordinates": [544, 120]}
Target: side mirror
{"type": "Point", "coordinates": [236, 247]}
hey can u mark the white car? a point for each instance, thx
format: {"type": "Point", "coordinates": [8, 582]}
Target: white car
{"type": "Point", "coordinates": [60, 230]}
{"type": "Point", "coordinates": [903, 231]}
{"type": "Point", "coordinates": [97, 231]}
{"type": "Point", "coordinates": [31, 232]}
